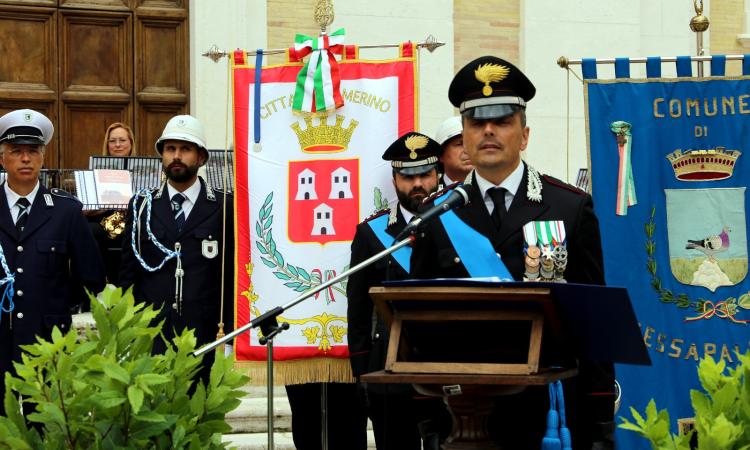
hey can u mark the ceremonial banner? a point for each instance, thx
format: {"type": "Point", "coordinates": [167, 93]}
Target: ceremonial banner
{"type": "Point", "coordinates": [303, 183]}
{"type": "Point", "coordinates": [669, 167]}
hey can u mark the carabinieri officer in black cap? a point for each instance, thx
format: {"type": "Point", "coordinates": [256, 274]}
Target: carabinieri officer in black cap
{"type": "Point", "coordinates": [43, 236]}
{"type": "Point", "coordinates": [540, 227]}
{"type": "Point", "coordinates": [393, 409]}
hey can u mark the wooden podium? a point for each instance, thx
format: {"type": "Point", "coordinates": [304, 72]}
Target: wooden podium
{"type": "Point", "coordinates": [433, 335]}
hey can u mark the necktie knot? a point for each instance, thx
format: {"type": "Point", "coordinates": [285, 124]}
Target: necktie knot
{"type": "Point", "coordinates": [179, 214]}
{"type": "Point", "coordinates": [23, 212]}
{"type": "Point", "coordinates": [177, 200]}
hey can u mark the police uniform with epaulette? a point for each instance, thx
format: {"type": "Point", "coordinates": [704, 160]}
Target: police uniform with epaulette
{"type": "Point", "coordinates": [393, 409]}
{"type": "Point", "coordinates": [193, 299]}
{"type": "Point", "coordinates": [491, 95]}
{"type": "Point", "coordinates": [53, 243]}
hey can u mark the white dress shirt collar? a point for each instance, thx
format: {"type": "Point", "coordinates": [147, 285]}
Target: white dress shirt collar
{"type": "Point", "coordinates": [191, 196]}
{"type": "Point", "coordinates": [13, 197]}
{"type": "Point", "coordinates": [511, 184]}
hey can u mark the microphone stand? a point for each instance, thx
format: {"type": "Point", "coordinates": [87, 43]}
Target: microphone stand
{"type": "Point", "coordinates": [270, 328]}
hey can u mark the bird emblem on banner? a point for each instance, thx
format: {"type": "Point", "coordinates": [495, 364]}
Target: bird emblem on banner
{"type": "Point", "coordinates": [319, 82]}
{"type": "Point", "coordinates": [712, 244]}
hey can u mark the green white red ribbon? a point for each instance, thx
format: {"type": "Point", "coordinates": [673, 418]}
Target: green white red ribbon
{"type": "Point", "coordinates": [625, 184]}
{"type": "Point", "coordinates": [319, 81]}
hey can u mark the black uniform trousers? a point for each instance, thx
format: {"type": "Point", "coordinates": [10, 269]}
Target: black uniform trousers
{"type": "Point", "coordinates": [347, 421]}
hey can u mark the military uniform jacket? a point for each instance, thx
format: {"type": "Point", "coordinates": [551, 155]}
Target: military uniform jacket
{"type": "Point", "coordinates": [55, 240]}
{"type": "Point", "coordinates": [368, 339]}
{"type": "Point", "coordinates": [433, 256]}
{"type": "Point", "coordinates": [201, 292]}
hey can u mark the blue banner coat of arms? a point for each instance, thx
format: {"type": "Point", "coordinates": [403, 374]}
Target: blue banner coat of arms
{"type": "Point", "coordinates": [669, 168]}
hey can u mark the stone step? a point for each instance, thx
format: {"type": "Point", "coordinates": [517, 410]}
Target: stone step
{"type": "Point", "coordinates": [249, 422]}
{"type": "Point", "coordinates": [259, 441]}
{"type": "Point", "coordinates": [251, 415]}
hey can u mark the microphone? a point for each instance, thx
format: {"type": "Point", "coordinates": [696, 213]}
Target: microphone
{"type": "Point", "coordinates": [457, 197]}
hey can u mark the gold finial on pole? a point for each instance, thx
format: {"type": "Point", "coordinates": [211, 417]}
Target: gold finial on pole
{"type": "Point", "coordinates": [323, 14]}
{"type": "Point", "coordinates": [699, 24]}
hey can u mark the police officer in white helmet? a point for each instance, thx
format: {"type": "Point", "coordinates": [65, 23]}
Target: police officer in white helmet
{"type": "Point", "coordinates": [187, 218]}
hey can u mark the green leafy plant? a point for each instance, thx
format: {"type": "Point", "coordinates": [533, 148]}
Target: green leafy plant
{"type": "Point", "coordinates": [722, 412]}
{"type": "Point", "coordinates": [106, 390]}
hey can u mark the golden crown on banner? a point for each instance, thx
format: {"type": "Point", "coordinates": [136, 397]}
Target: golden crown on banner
{"type": "Point", "coordinates": [324, 138]}
{"type": "Point", "coordinates": [703, 165]}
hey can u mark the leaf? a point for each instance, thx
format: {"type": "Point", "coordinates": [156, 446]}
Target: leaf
{"type": "Point", "coordinates": [282, 276]}
{"type": "Point", "coordinates": [151, 379]}
{"type": "Point", "coordinates": [268, 263]}
{"type": "Point", "coordinates": [279, 258]}
{"type": "Point", "coordinates": [268, 222]}
{"type": "Point", "coordinates": [135, 396]}
{"type": "Point", "coordinates": [292, 284]}
{"type": "Point", "coordinates": [258, 229]}
{"type": "Point", "coordinates": [198, 402]}
{"type": "Point", "coordinates": [303, 273]}
{"type": "Point", "coordinates": [292, 270]}
{"type": "Point", "coordinates": [744, 301]}
{"type": "Point", "coordinates": [272, 248]}
{"type": "Point", "coordinates": [268, 200]}
{"type": "Point", "coordinates": [114, 371]}
{"type": "Point", "coordinates": [149, 416]}
{"type": "Point", "coordinates": [261, 248]}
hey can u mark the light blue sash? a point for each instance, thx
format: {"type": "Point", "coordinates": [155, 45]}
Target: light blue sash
{"type": "Point", "coordinates": [475, 250]}
{"type": "Point", "coordinates": [402, 255]}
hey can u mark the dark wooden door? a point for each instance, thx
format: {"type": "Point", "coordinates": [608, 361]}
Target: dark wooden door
{"type": "Point", "coordinates": [88, 63]}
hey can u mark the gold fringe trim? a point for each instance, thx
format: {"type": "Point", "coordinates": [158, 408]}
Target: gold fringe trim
{"type": "Point", "coordinates": [300, 371]}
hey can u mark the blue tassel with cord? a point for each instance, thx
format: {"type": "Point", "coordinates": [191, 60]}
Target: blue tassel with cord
{"type": "Point", "coordinates": [551, 440]}
{"type": "Point", "coordinates": [565, 439]}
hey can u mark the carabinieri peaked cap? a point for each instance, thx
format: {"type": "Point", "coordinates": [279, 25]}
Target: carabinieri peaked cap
{"type": "Point", "coordinates": [490, 87]}
{"type": "Point", "coordinates": [413, 154]}
{"type": "Point", "coordinates": [26, 126]}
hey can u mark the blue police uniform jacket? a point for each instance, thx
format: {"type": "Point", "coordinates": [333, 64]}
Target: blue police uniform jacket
{"type": "Point", "coordinates": [55, 241]}
{"type": "Point", "coordinates": [201, 255]}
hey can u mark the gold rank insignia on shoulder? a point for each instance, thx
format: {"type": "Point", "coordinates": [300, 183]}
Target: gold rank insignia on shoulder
{"type": "Point", "coordinates": [490, 73]}
{"type": "Point", "coordinates": [414, 143]}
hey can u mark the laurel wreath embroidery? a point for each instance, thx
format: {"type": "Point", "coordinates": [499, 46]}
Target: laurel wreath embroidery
{"type": "Point", "coordinates": [706, 309]}
{"type": "Point", "coordinates": [298, 279]}
{"type": "Point", "coordinates": [293, 276]}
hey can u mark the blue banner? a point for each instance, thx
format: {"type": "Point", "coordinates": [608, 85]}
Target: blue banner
{"type": "Point", "coordinates": [669, 170]}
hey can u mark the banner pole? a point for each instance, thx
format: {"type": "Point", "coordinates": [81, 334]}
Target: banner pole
{"type": "Point", "coordinates": [699, 24]}
{"type": "Point", "coordinates": [215, 54]}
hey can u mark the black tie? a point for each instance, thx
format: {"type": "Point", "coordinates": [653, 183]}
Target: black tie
{"type": "Point", "coordinates": [23, 213]}
{"type": "Point", "coordinates": [179, 214]}
{"type": "Point", "coordinates": [497, 194]}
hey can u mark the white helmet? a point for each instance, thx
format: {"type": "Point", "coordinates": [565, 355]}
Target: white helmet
{"type": "Point", "coordinates": [182, 128]}
{"type": "Point", "coordinates": [449, 128]}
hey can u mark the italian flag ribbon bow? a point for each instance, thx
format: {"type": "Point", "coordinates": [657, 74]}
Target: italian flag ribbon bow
{"type": "Point", "coordinates": [625, 184]}
{"type": "Point", "coordinates": [319, 81]}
